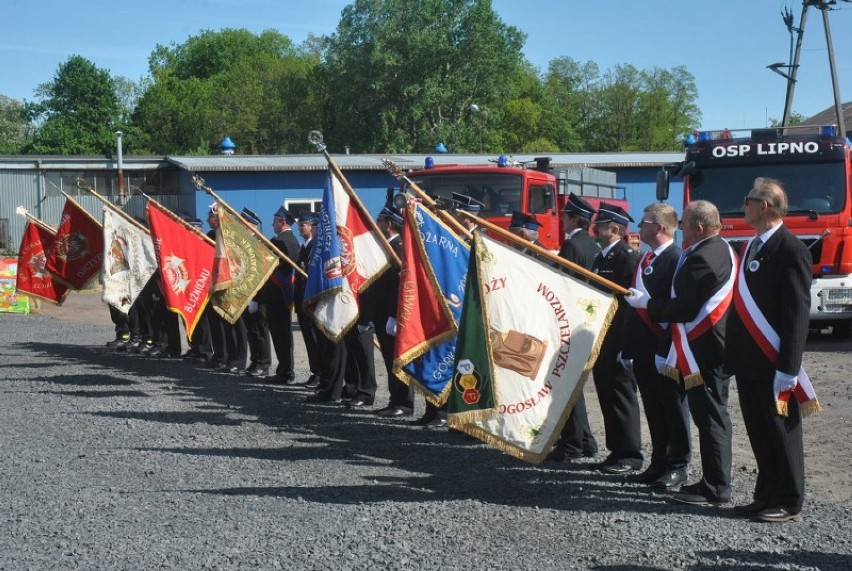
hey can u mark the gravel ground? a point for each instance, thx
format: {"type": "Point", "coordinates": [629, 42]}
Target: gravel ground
{"type": "Point", "coordinates": [121, 462]}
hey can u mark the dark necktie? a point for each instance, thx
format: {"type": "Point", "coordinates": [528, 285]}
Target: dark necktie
{"type": "Point", "coordinates": [753, 250]}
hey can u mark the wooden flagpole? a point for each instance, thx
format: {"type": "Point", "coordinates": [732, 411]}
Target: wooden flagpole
{"type": "Point", "coordinates": [503, 233]}
{"type": "Point", "coordinates": [428, 200]}
{"type": "Point", "coordinates": [315, 137]}
{"type": "Point", "coordinates": [82, 185]}
{"type": "Point", "coordinates": [77, 204]}
{"type": "Point", "coordinates": [23, 212]}
{"type": "Point", "coordinates": [199, 184]}
{"type": "Point", "coordinates": [177, 218]}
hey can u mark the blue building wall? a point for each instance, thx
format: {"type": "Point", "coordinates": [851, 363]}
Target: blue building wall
{"type": "Point", "coordinates": [265, 192]}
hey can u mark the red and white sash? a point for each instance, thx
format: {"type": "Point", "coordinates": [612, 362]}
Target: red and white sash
{"type": "Point", "coordinates": [680, 360]}
{"type": "Point", "coordinates": [638, 283]}
{"type": "Point", "coordinates": [769, 342]}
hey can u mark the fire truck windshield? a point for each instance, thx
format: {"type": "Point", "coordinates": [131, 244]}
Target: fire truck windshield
{"type": "Point", "coordinates": [811, 187]}
{"type": "Point", "coordinates": [500, 194]}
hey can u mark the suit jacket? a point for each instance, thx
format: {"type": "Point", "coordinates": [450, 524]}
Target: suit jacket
{"type": "Point", "coordinates": [582, 248]}
{"type": "Point", "coordinates": [617, 267]}
{"type": "Point", "coordinates": [703, 272]}
{"type": "Point", "coordinates": [640, 341]}
{"type": "Point", "coordinates": [302, 259]}
{"type": "Point", "coordinates": [380, 300]}
{"type": "Point", "coordinates": [287, 243]}
{"type": "Point", "coordinates": [781, 289]}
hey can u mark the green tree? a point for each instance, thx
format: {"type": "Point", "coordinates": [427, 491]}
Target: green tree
{"type": "Point", "coordinates": [79, 111]}
{"type": "Point", "coordinates": [255, 89]}
{"type": "Point", "coordinates": [401, 75]}
{"type": "Point", "coordinates": [795, 119]}
{"type": "Point", "coordinates": [13, 125]}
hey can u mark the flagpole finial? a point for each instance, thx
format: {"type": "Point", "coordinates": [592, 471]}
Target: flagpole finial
{"type": "Point", "coordinates": [21, 211]}
{"type": "Point", "coordinates": [315, 138]}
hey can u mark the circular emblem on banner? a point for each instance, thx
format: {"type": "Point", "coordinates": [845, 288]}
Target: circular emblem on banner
{"type": "Point", "coordinates": [347, 250]}
{"type": "Point", "coordinates": [175, 274]}
{"type": "Point", "coordinates": [753, 266]}
{"type": "Point", "coordinates": [72, 247]}
{"type": "Point", "coordinates": [648, 271]}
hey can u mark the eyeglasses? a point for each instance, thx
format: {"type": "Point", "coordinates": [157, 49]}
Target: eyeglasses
{"type": "Point", "coordinates": [647, 222]}
{"type": "Point", "coordinates": [748, 199]}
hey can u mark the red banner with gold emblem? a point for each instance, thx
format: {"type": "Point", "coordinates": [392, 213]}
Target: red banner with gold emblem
{"type": "Point", "coordinates": [186, 265]}
{"type": "Point", "coordinates": [77, 253]}
{"type": "Point", "coordinates": [33, 277]}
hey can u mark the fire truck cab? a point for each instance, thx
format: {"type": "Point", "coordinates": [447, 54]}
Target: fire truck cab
{"type": "Point", "coordinates": [505, 186]}
{"type": "Point", "coordinates": [814, 166]}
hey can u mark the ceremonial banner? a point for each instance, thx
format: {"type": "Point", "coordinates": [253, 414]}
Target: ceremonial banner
{"type": "Point", "coordinates": [186, 265]}
{"type": "Point", "coordinates": [241, 267]}
{"type": "Point", "coordinates": [11, 300]}
{"type": "Point", "coordinates": [78, 247]}
{"type": "Point", "coordinates": [347, 258]}
{"type": "Point", "coordinates": [129, 263]}
{"type": "Point", "coordinates": [32, 277]}
{"type": "Point", "coordinates": [528, 340]}
{"type": "Point", "coordinates": [432, 285]}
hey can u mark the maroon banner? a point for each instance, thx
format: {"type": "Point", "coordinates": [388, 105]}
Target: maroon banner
{"type": "Point", "coordinates": [186, 265]}
{"type": "Point", "coordinates": [33, 277]}
{"type": "Point", "coordinates": [77, 253]}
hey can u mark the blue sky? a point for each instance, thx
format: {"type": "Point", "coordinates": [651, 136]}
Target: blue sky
{"type": "Point", "coordinates": [725, 44]}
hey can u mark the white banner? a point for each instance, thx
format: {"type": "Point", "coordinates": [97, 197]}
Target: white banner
{"type": "Point", "coordinates": [129, 260]}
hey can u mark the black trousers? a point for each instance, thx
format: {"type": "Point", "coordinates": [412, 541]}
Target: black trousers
{"type": "Point", "coordinates": [280, 319]}
{"type": "Point", "coordinates": [776, 442]}
{"type": "Point", "coordinates": [120, 320]}
{"type": "Point", "coordinates": [314, 341]}
{"type": "Point", "coordinates": [576, 437]}
{"type": "Point", "coordinates": [360, 364]}
{"type": "Point", "coordinates": [616, 390]}
{"type": "Point", "coordinates": [664, 403]}
{"type": "Point", "coordinates": [333, 371]}
{"type": "Point", "coordinates": [708, 404]}
{"type": "Point", "coordinates": [401, 395]}
{"type": "Point", "coordinates": [257, 331]}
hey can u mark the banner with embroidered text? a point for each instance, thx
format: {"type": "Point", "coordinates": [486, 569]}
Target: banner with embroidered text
{"type": "Point", "coordinates": [129, 260]}
{"type": "Point", "coordinates": [528, 339]}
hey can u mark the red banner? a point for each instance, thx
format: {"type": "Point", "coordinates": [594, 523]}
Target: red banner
{"type": "Point", "coordinates": [186, 265]}
{"type": "Point", "coordinates": [421, 319]}
{"type": "Point", "coordinates": [77, 253]}
{"type": "Point", "coordinates": [33, 277]}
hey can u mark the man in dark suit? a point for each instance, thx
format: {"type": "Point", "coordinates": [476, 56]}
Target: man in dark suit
{"type": "Point", "coordinates": [310, 334]}
{"type": "Point", "coordinates": [576, 439]}
{"type": "Point", "coordinates": [384, 294]}
{"type": "Point", "coordinates": [615, 384]}
{"type": "Point", "coordinates": [663, 400]}
{"type": "Point", "coordinates": [773, 287]}
{"type": "Point", "coordinates": [277, 296]}
{"type": "Point", "coordinates": [257, 323]}
{"type": "Point", "coordinates": [696, 313]}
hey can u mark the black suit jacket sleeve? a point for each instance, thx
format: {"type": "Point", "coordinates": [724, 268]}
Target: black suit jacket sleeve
{"type": "Point", "coordinates": [795, 303]}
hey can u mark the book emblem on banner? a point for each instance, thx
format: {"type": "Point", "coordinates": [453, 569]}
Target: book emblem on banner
{"type": "Point", "coordinates": [468, 382]}
{"type": "Point", "coordinates": [71, 247]}
{"type": "Point", "coordinates": [176, 274]}
{"type": "Point", "coordinates": [517, 352]}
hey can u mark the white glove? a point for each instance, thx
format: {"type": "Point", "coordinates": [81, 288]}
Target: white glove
{"type": "Point", "coordinates": [660, 363]}
{"type": "Point", "coordinates": [390, 326]}
{"type": "Point", "coordinates": [626, 363]}
{"type": "Point", "coordinates": [637, 299]}
{"type": "Point", "coordinates": [363, 328]}
{"type": "Point", "coordinates": [783, 382]}
{"type": "Point", "coordinates": [252, 307]}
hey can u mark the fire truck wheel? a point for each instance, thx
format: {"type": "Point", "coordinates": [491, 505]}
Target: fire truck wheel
{"type": "Point", "coordinates": [842, 329]}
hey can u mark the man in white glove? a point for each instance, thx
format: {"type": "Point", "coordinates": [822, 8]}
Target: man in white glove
{"type": "Point", "coordinates": [636, 299]}
{"type": "Point", "coordinates": [776, 272]}
{"type": "Point", "coordinates": [783, 382]}
{"type": "Point", "coordinates": [252, 307]}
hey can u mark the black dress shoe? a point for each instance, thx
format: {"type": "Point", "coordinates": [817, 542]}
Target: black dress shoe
{"type": "Point", "coordinates": [423, 420]}
{"type": "Point", "coordinates": [393, 412]}
{"type": "Point", "coordinates": [778, 515]}
{"type": "Point", "coordinates": [236, 370]}
{"type": "Point", "coordinates": [358, 403]}
{"type": "Point", "coordinates": [121, 340]}
{"type": "Point", "coordinates": [752, 509]}
{"type": "Point", "coordinates": [259, 372]}
{"type": "Point", "coordinates": [322, 398]}
{"type": "Point", "coordinates": [697, 499]}
{"type": "Point", "coordinates": [649, 474]}
{"type": "Point", "coordinates": [670, 480]}
{"type": "Point", "coordinates": [617, 468]}
{"type": "Point", "coordinates": [436, 423]}
{"type": "Point", "coordinates": [559, 454]}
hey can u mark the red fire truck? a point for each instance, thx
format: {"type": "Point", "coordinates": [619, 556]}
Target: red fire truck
{"type": "Point", "coordinates": [532, 187]}
{"type": "Point", "coordinates": [721, 166]}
